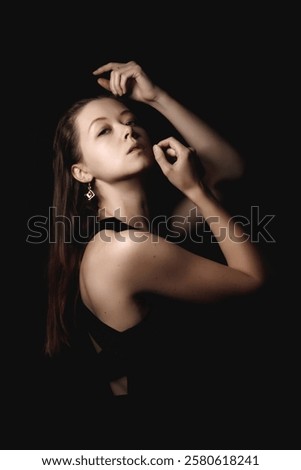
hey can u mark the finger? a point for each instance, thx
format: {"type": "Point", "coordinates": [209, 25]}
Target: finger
{"type": "Point", "coordinates": [115, 77]}
{"type": "Point", "coordinates": [112, 86]}
{"type": "Point", "coordinates": [171, 152]}
{"type": "Point", "coordinates": [130, 70]}
{"type": "Point", "coordinates": [106, 68]}
{"type": "Point", "coordinates": [118, 86]}
{"type": "Point", "coordinates": [123, 81]}
{"type": "Point", "coordinates": [104, 83]}
{"type": "Point", "coordinates": [173, 144]}
{"type": "Point", "coordinates": [171, 156]}
{"type": "Point", "coordinates": [161, 159]}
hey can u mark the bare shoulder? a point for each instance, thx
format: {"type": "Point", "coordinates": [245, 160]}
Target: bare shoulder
{"type": "Point", "coordinates": [111, 242]}
{"type": "Point", "coordinates": [108, 247]}
{"type": "Point", "coordinates": [128, 252]}
{"type": "Point", "coordinates": [136, 262]}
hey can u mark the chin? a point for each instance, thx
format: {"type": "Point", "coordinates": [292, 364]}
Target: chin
{"type": "Point", "coordinates": [146, 159]}
{"type": "Point", "coordinates": [149, 162]}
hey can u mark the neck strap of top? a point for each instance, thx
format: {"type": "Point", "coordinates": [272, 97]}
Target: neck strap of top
{"type": "Point", "coordinates": [112, 223]}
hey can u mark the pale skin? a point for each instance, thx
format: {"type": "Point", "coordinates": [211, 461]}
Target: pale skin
{"type": "Point", "coordinates": [132, 266]}
{"type": "Point", "coordinates": [219, 159]}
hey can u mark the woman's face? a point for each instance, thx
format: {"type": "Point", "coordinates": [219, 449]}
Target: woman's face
{"type": "Point", "coordinates": [113, 145]}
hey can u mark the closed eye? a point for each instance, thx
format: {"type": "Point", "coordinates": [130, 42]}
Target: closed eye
{"type": "Point", "coordinates": [104, 131]}
{"type": "Point", "coordinates": [132, 122]}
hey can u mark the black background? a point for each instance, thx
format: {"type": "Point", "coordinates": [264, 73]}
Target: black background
{"type": "Point", "coordinates": [225, 67]}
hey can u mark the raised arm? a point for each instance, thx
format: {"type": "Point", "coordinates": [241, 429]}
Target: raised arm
{"type": "Point", "coordinates": [237, 249]}
{"type": "Point", "coordinates": [219, 159]}
{"type": "Point", "coordinates": [159, 266]}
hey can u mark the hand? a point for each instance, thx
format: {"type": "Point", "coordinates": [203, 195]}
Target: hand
{"type": "Point", "coordinates": [128, 79]}
{"type": "Point", "coordinates": [177, 163]}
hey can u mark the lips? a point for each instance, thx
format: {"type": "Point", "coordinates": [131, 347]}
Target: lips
{"type": "Point", "coordinates": [135, 147]}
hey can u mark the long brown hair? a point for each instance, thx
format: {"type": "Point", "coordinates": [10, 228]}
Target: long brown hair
{"type": "Point", "coordinates": [72, 213]}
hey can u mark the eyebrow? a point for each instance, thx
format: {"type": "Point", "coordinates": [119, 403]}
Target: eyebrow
{"type": "Point", "coordinates": [125, 111]}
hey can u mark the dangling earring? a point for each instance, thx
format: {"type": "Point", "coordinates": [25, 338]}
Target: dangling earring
{"type": "Point", "coordinates": [90, 194]}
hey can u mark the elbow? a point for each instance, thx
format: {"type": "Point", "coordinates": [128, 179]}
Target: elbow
{"type": "Point", "coordinates": [257, 284]}
{"type": "Point", "coordinates": [233, 168]}
{"type": "Point", "coordinates": [236, 167]}
{"type": "Point", "coordinates": [239, 169]}
{"type": "Point", "coordinates": [258, 281]}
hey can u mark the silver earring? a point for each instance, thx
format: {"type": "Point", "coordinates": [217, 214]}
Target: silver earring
{"type": "Point", "coordinates": [90, 194]}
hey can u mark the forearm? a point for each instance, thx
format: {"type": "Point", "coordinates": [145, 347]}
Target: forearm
{"type": "Point", "coordinates": [236, 246]}
{"type": "Point", "coordinates": [219, 158]}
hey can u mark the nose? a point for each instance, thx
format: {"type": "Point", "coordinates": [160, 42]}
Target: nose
{"type": "Point", "coordinates": [129, 133]}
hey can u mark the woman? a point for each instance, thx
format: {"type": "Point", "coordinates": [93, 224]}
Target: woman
{"type": "Point", "coordinates": [102, 155]}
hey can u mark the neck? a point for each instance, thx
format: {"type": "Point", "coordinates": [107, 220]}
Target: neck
{"type": "Point", "coordinates": [125, 200]}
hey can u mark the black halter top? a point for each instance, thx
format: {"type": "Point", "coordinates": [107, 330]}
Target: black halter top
{"type": "Point", "coordinates": [120, 353]}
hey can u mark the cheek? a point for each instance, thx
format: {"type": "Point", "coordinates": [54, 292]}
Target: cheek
{"type": "Point", "coordinates": [147, 142]}
{"type": "Point", "coordinates": [96, 156]}
{"type": "Point", "coordinates": [104, 164]}
{"type": "Point", "coordinates": [146, 137]}
{"type": "Point", "coordinates": [149, 152]}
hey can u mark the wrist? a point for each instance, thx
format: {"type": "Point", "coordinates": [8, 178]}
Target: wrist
{"type": "Point", "coordinates": [159, 100]}
{"type": "Point", "coordinates": [198, 194]}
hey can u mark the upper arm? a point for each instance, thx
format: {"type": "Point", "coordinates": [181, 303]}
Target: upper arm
{"type": "Point", "coordinates": [149, 263]}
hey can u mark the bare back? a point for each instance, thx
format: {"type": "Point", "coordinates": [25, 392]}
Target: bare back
{"type": "Point", "coordinates": [102, 285]}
